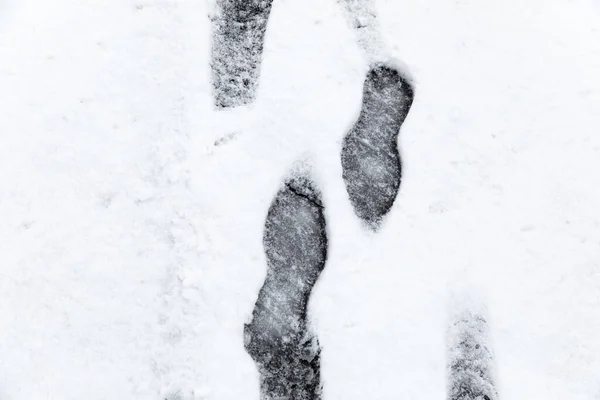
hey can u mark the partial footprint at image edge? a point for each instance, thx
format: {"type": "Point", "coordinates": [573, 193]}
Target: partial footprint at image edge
{"type": "Point", "coordinates": [278, 338]}
{"type": "Point", "coordinates": [237, 47]}
{"type": "Point", "coordinates": [371, 165]}
{"type": "Point", "coordinates": [470, 360]}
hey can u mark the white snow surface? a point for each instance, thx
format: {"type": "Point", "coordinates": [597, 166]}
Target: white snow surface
{"type": "Point", "coordinates": [131, 246]}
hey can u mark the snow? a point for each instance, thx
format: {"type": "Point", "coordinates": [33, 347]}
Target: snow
{"type": "Point", "coordinates": [132, 245]}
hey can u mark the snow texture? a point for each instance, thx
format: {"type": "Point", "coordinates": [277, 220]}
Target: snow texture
{"type": "Point", "coordinates": [363, 19]}
{"type": "Point", "coordinates": [133, 210]}
{"type": "Point", "coordinates": [370, 160]}
{"type": "Point", "coordinates": [279, 338]}
{"type": "Point", "coordinates": [238, 40]}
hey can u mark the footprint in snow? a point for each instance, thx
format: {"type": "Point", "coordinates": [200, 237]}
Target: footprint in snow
{"type": "Point", "coordinates": [371, 165]}
{"type": "Point", "coordinates": [237, 47]}
{"type": "Point", "coordinates": [278, 338]}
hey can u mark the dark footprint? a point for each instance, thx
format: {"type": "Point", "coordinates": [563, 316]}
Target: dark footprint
{"type": "Point", "coordinates": [278, 337]}
{"type": "Point", "coordinates": [370, 161]}
{"type": "Point", "coordinates": [470, 363]}
{"type": "Point", "coordinates": [238, 39]}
